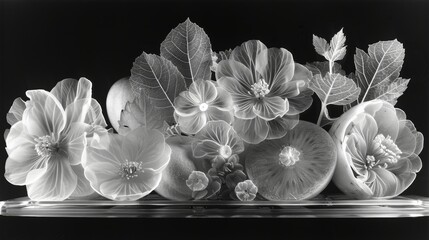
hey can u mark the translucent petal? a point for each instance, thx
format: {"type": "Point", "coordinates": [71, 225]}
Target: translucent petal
{"type": "Point", "coordinates": [406, 140]}
{"type": "Point", "coordinates": [57, 184]}
{"type": "Point", "coordinates": [65, 91]}
{"type": "Point", "coordinates": [101, 172]}
{"type": "Point", "coordinates": [251, 131]}
{"type": "Point", "coordinates": [25, 169]}
{"type": "Point", "coordinates": [74, 142]}
{"type": "Point", "coordinates": [94, 115]}
{"type": "Point", "coordinates": [366, 127]}
{"type": "Point", "coordinates": [400, 114]}
{"type": "Point", "coordinates": [243, 100]}
{"type": "Point", "coordinates": [105, 150]}
{"type": "Point", "coordinates": [296, 85]}
{"type": "Point", "coordinates": [17, 136]}
{"type": "Point", "coordinates": [279, 126]}
{"type": "Point", "coordinates": [83, 186]}
{"type": "Point", "coordinates": [235, 142]}
{"type": "Point", "coordinates": [148, 147]}
{"type": "Point", "coordinates": [387, 121]}
{"type": "Point", "coordinates": [237, 71]}
{"type": "Point", "coordinates": [77, 110]}
{"type": "Point", "coordinates": [357, 148]}
{"type": "Point", "coordinates": [44, 115]}
{"type": "Point", "coordinates": [15, 112]}
{"type": "Point", "coordinates": [385, 183]}
{"type": "Point", "coordinates": [276, 66]}
{"type": "Point", "coordinates": [247, 54]}
{"type": "Point", "coordinates": [214, 114]}
{"type": "Point", "coordinates": [300, 103]}
{"type": "Point", "coordinates": [185, 105]}
{"type": "Point", "coordinates": [206, 148]}
{"type": "Point", "coordinates": [419, 143]}
{"type": "Point", "coordinates": [223, 100]}
{"type": "Point", "coordinates": [204, 89]}
{"type": "Point", "coordinates": [192, 124]}
{"type": "Point", "coordinates": [269, 108]}
{"type": "Point", "coordinates": [216, 131]}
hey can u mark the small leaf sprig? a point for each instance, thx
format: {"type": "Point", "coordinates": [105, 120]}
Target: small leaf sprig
{"type": "Point", "coordinates": [330, 85]}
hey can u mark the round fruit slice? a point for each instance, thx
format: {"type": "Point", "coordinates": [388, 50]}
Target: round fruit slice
{"type": "Point", "coordinates": [295, 167]}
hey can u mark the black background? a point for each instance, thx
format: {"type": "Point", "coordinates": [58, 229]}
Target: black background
{"type": "Point", "coordinates": [44, 42]}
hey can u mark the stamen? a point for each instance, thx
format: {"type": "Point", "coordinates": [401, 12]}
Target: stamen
{"type": "Point", "coordinates": [45, 146]}
{"type": "Point", "coordinates": [204, 107]}
{"type": "Point", "coordinates": [260, 88]}
{"type": "Point", "coordinates": [289, 156]}
{"type": "Point", "coordinates": [130, 170]}
{"type": "Point", "coordinates": [225, 151]}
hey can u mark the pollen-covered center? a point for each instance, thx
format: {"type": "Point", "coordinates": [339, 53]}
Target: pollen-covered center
{"type": "Point", "coordinates": [225, 151]}
{"type": "Point", "coordinates": [384, 152]}
{"type": "Point", "coordinates": [289, 156]}
{"type": "Point", "coordinates": [129, 170]}
{"type": "Point", "coordinates": [204, 107]}
{"type": "Point", "coordinates": [45, 146]}
{"type": "Point", "coordinates": [260, 88]}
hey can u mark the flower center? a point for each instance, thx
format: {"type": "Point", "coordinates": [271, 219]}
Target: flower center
{"type": "Point", "coordinates": [260, 88]}
{"type": "Point", "coordinates": [289, 156]}
{"type": "Point", "coordinates": [204, 107]}
{"type": "Point", "coordinates": [225, 151]}
{"type": "Point", "coordinates": [385, 152]}
{"type": "Point", "coordinates": [45, 146]}
{"type": "Point", "coordinates": [130, 170]}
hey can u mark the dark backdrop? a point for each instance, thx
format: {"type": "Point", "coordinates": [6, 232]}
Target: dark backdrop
{"type": "Point", "coordinates": [43, 42]}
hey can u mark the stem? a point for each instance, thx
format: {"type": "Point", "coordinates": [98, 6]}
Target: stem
{"type": "Point", "coordinates": [322, 108]}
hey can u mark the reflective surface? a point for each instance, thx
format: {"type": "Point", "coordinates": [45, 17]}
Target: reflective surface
{"type": "Point", "coordinates": [155, 206]}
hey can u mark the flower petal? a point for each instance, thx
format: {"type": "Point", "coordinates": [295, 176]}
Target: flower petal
{"type": "Point", "coordinates": [236, 70]}
{"type": "Point", "coordinates": [235, 142]}
{"type": "Point", "coordinates": [269, 108]}
{"type": "Point", "coordinates": [251, 131]}
{"type": "Point", "coordinates": [100, 172]}
{"type": "Point", "coordinates": [18, 136]}
{"type": "Point", "coordinates": [216, 131]}
{"type": "Point", "coordinates": [44, 115]}
{"type": "Point", "coordinates": [243, 100]}
{"type": "Point", "coordinates": [385, 183]}
{"type": "Point", "coordinates": [185, 104]}
{"type": "Point", "coordinates": [387, 121]}
{"type": "Point", "coordinates": [300, 103]}
{"type": "Point", "coordinates": [247, 54]}
{"type": "Point", "coordinates": [223, 100]}
{"type": "Point", "coordinates": [69, 90]}
{"type": "Point", "coordinates": [296, 85]}
{"type": "Point", "coordinates": [356, 147]}
{"type": "Point", "coordinates": [74, 142]}
{"type": "Point", "coordinates": [276, 66]}
{"type": "Point", "coordinates": [206, 148]}
{"type": "Point", "coordinates": [192, 124]}
{"type": "Point", "coordinates": [57, 184]}
{"type": "Point", "coordinates": [406, 140]}
{"type": "Point", "coordinates": [27, 170]}
{"type": "Point", "coordinates": [366, 126]}
{"type": "Point", "coordinates": [15, 112]}
{"type": "Point", "coordinates": [204, 89]}
{"type": "Point", "coordinates": [83, 186]}
{"type": "Point", "coordinates": [94, 116]}
{"type": "Point", "coordinates": [214, 114]}
{"type": "Point", "coordinates": [279, 126]}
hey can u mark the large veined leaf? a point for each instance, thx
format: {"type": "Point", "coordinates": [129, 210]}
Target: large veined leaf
{"type": "Point", "coordinates": [377, 72]}
{"type": "Point", "coordinates": [322, 68]}
{"type": "Point", "coordinates": [334, 89]}
{"type": "Point", "coordinates": [188, 47]}
{"type": "Point", "coordinates": [160, 81]}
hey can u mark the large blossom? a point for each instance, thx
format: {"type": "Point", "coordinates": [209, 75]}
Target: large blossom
{"type": "Point", "coordinates": [126, 167]}
{"type": "Point", "coordinates": [268, 89]}
{"type": "Point", "coordinates": [378, 151]}
{"type": "Point", "coordinates": [46, 140]}
{"type": "Point", "coordinates": [203, 102]}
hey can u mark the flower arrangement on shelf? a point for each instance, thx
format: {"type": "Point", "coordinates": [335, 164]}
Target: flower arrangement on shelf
{"type": "Point", "coordinates": [194, 124]}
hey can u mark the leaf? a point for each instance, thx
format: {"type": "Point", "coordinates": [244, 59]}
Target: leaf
{"type": "Point", "coordinates": [378, 69]}
{"type": "Point", "coordinates": [334, 89]}
{"type": "Point", "coordinates": [160, 81]}
{"type": "Point", "coordinates": [223, 55]}
{"type": "Point", "coordinates": [322, 68]}
{"type": "Point", "coordinates": [188, 47]}
{"type": "Point", "coordinates": [335, 50]}
{"type": "Point", "coordinates": [140, 113]}
{"type": "Point", "coordinates": [393, 91]}
{"type": "Point", "coordinates": [321, 46]}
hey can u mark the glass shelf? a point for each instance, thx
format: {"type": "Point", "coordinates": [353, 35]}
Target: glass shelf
{"type": "Point", "coordinates": [155, 206]}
